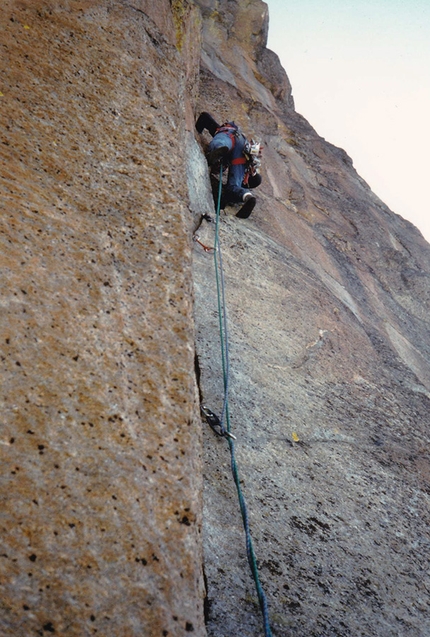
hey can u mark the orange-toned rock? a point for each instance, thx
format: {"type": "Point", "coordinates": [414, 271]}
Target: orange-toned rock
{"type": "Point", "coordinates": [100, 443]}
{"type": "Point", "coordinates": [103, 182]}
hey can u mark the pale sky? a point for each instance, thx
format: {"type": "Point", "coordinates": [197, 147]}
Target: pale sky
{"type": "Point", "coordinates": [360, 72]}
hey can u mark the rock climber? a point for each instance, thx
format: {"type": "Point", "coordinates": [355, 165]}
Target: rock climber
{"type": "Point", "coordinates": [243, 158]}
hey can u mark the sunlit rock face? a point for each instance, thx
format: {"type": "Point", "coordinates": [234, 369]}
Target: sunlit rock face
{"type": "Point", "coordinates": [327, 295]}
{"type": "Point", "coordinates": [106, 298]}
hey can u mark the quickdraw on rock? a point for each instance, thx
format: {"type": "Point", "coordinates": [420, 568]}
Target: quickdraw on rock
{"type": "Point", "coordinates": [196, 238]}
{"type": "Point", "coordinates": [215, 423]}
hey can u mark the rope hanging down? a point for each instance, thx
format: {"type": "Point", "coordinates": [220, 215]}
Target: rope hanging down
{"type": "Point", "coordinates": [226, 416]}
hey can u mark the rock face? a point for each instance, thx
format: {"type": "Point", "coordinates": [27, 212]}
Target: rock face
{"type": "Point", "coordinates": [103, 182]}
{"type": "Point", "coordinates": [101, 469]}
{"type": "Point", "coordinates": [327, 295]}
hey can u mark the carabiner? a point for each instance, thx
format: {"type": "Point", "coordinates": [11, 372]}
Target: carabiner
{"type": "Point", "coordinates": [196, 238]}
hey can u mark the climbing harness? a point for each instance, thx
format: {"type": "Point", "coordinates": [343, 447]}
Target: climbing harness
{"type": "Point", "coordinates": [217, 423]}
{"type": "Point", "coordinates": [238, 161]}
{"type": "Point", "coordinates": [252, 152]}
{"type": "Point", "coordinates": [251, 158]}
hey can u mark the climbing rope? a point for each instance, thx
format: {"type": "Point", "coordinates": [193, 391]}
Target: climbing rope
{"type": "Point", "coordinates": [225, 416]}
{"type": "Point", "coordinates": [222, 314]}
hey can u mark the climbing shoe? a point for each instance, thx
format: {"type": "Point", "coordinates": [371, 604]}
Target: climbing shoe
{"type": "Point", "coordinates": [216, 154]}
{"type": "Point", "coordinates": [247, 207]}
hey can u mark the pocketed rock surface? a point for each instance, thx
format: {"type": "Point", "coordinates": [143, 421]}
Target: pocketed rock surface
{"type": "Point", "coordinates": [106, 300]}
{"type": "Point", "coordinates": [100, 438]}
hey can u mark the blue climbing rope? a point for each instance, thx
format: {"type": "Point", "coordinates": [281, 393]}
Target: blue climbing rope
{"type": "Point", "coordinates": [225, 416]}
